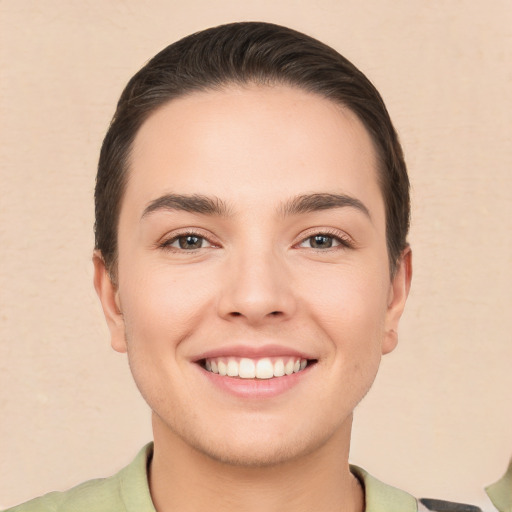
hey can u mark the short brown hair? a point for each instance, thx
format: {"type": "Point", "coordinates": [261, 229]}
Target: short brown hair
{"type": "Point", "coordinates": [242, 53]}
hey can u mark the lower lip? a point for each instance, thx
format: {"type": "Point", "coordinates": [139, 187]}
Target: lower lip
{"type": "Point", "coordinates": [256, 388]}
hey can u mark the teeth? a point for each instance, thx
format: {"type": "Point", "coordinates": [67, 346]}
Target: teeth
{"type": "Point", "coordinates": [279, 367]}
{"type": "Point", "coordinates": [222, 368]}
{"type": "Point", "coordinates": [265, 368]}
{"type": "Point", "coordinates": [232, 368]}
{"type": "Point", "coordinates": [247, 369]}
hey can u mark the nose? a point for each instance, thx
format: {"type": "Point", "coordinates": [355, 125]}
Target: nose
{"type": "Point", "coordinates": [257, 288]}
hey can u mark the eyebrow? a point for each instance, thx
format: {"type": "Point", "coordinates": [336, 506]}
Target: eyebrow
{"type": "Point", "coordinates": [307, 203]}
{"type": "Point", "coordinates": [195, 203]}
{"type": "Point", "coordinates": [214, 206]}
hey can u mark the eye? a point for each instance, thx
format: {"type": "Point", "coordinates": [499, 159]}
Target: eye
{"type": "Point", "coordinates": [189, 242]}
{"type": "Point", "coordinates": [320, 242]}
{"type": "Point", "coordinates": [325, 241]}
{"type": "Point", "coordinates": [186, 242]}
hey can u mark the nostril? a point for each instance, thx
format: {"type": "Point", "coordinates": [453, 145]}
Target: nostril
{"type": "Point", "coordinates": [272, 313]}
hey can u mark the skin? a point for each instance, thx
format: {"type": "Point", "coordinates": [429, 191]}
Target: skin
{"type": "Point", "coordinates": [256, 279]}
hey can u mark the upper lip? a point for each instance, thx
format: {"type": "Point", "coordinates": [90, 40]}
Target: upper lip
{"type": "Point", "coordinates": [252, 352]}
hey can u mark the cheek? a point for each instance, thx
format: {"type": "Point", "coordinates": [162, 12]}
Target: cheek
{"type": "Point", "coordinates": [160, 312]}
{"type": "Point", "coordinates": [160, 306]}
{"type": "Point", "coordinates": [351, 303]}
{"type": "Point", "coordinates": [351, 315]}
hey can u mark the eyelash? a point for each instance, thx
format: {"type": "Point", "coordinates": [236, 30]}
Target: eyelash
{"type": "Point", "coordinates": [167, 244]}
{"type": "Point", "coordinates": [344, 241]}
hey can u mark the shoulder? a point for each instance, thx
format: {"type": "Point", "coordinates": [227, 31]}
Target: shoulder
{"type": "Point", "coordinates": [500, 492]}
{"type": "Point", "coordinates": [125, 491]}
{"type": "Point", "coordinates": [381, 497]}
{"type": "Point", "coordinates": [98, 495]}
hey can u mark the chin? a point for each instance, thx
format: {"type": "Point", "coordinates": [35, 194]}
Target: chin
{"type": "Point", "coordinates": [258, 444]}
{"type": "Point", "coordinates": [257, 454]}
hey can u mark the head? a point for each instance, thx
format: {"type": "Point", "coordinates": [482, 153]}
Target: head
{"type": "Point", "coordinates": [241, 54]}
{"type": "Point", "coordinates": [251, 217]}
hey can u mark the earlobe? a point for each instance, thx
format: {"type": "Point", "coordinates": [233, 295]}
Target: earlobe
{"type": "Point", "coordinates": [399, 291]}
{"type": "Point", "coordinates": [109, 297]}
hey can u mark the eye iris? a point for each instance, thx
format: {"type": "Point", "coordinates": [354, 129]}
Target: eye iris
{"type": "Point", "coordinates": [190, 242]}
{"type": "Point", "coordinates": [321, 241]}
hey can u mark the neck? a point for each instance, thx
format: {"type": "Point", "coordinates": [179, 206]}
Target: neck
{"type": "Point", "coordinates": [184, 479]}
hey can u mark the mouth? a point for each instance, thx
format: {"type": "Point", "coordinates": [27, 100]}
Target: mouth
{"type": "Point", "coordinates": [262, 368]}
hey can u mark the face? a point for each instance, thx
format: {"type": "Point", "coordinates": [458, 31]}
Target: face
{"type": "Point", "coordinates": [253, 298]}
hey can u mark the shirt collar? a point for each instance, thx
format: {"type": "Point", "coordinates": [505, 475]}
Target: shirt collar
{"type": "Point", "coordinates": [133, 483]}
{"type": "Point", "coordinates": [134, 488]}
{"type": "Point", "coordinates": [500, 492]}
{"type": "Point", "coordinates": [380, 497]}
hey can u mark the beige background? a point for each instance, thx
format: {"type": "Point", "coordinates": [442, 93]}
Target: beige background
{"type": "Point", "coordinates": [439, 419]}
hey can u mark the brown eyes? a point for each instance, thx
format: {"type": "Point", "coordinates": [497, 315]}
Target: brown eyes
{"type": "Point", "coordinates": [188, 242]}
{"type": "Point", "coordinates": [321, 242]}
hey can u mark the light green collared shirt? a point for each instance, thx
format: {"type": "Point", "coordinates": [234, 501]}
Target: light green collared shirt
{"type": "Point", "coordinates": [500, 492]}
{"type": "Point", "coordinates": [128, 491]}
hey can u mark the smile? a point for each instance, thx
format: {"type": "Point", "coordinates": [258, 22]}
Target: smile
{"type": "Point", "coordinates": [262, 368]}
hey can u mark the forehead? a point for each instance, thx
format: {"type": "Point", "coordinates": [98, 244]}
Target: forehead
{"type": "Point", "coordinates": [252, 144]}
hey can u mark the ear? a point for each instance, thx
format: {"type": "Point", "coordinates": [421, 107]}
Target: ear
{"type": "Point", "coordinates": [109, 297]}
{"type": "Point", "coordinates": [398, 292]}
